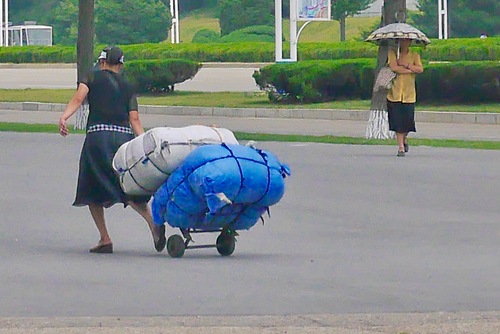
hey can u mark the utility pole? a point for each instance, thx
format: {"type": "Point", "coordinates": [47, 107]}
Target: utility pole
{"type": "Point", "coordinates": [4, 22]}
{"type": "Point", "coordinates": [85, 40]}
{"type": "Point", "coordinates": [1, 23]}
{"type": "Point", "coordinates": [443, 19]}
{"type": "Point", "coordinates": [174, 30]}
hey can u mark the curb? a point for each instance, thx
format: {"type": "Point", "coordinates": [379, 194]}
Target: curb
{"type": "Point", "coordinates": [422, 323]}
{"type": "Point", "coordinates": [321, 114]}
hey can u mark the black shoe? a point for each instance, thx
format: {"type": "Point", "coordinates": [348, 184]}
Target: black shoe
{"type": "Point", "coordinates": [407, 147]}
{"type": "Point", "coordinates": [401, 154]}
{"type": "Point", "coordinates": [162, 240]}
{"type": "Point", "coordinates": [102, 249]}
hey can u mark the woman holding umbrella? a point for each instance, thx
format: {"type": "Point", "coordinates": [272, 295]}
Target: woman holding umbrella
{"type": "Point", "coordinates": [402, 95]}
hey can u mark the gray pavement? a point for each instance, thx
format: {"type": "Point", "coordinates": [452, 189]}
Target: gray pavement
{"type": "Point", "coordinates": [461, 258]}
{"type": "Point", "coordinates": [337, 254]}
{"type": "Point", "coordinates": [436, 125]}
{"type": "Point", "coordinates": [212, 77]}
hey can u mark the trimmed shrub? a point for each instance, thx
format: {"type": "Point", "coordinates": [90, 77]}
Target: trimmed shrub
{"type": "Point", "coordinates": [327, 80]}
{"type": "Point", "coordinates": [159, 75]}
{"type": "Point", "coordinates": [316, 81]}
{"type": "Point", "coordinates": [250, 34]}
{"type": "Point", "coordinates": [473, 49]}
{"type": "Point", "coordinates": [38, 54]}
{"type": "Point", "coordinates": [206, 36]}
{"type": "Point", "coordinates": [466, 81]}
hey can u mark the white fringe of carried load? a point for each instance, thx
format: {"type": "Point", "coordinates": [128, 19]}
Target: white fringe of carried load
{"type": "Point", "coordinates": [82, 115]}
{"type": "Point", "coordinates": [378, 126]}
{"type": "Point", "coordinates": [146, 162]}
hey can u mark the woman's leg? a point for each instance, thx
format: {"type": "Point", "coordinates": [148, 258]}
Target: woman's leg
{"type": "Point", "coordinates": [97, 213]}
{"type": "Point", "coordinates": [157, 231]}
{"type": "Point", "coordinates": [400, 136]}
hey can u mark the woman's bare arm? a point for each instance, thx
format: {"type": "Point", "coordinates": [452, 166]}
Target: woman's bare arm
{"type": "Point", "coordinates": [135, 122]}
{"type": "Point", "coordinates": [72, 106]}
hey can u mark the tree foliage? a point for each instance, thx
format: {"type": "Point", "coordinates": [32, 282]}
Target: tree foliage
{"type": "Point", "coordinates": [466, 18]}
{"type": "Point", "coordinates": [131, 21]}
{"type": "Point", "coordinates": [189, 5]}
{"type": "Point", "coordinates": [238, 14]}
{"type": "Point", "coordinates": [65, 22]}
{"type": "Point", "coordinates": [32, 10]}
{"type": "Point", "coordinates": [116, 22]}
{"type": "Point", "coordinates": [344, 8]}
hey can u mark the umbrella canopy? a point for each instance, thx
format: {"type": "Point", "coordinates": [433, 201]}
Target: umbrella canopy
{"type": "Point", "coordinates": [396, 31]}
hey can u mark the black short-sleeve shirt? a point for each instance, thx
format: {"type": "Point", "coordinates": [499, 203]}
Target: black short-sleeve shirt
{"type": "Point", "coordinates": [110, 98]}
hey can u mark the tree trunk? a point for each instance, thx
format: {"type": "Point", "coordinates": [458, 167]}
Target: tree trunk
{"type": "Point", "coordinates": [342, 28]}
{"type": "Point", "coordinates": [393, 11]}
{"type": "Point", "coordinates": [85, 41]}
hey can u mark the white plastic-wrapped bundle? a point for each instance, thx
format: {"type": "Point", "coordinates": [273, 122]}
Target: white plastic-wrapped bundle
{"type": "Point", "coordinates": [146, 162]}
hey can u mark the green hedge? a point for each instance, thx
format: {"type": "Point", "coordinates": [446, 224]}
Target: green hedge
{"type": "Point", "coordinates": [466, 81]}
{"type": "Point", "coordinates": [473, 49]}
{"type": "Point", "coordinates": [159, 75]}
{"type": "Point", "coordinates": [459, 49]}
{"type": "Point", "coordinates": [326, 80]}
{"type": "Point", "coordinates": [315, 81]}
{"type": "Point", "coordinates": [206, 36]}
{"type": "Point", "coordinates": [38, 54]}
{"type": "Point", "coordinates": [250, 34]}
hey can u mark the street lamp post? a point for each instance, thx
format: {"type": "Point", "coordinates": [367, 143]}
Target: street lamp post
{"type": "Point", "coordinates": [443, 19]}
{"type": "Point", "coordinates": [174, 30]}
{"type": "Point", "coordinates": [4, 22]}
{"type": "Point", "coordinates": [1, 23]}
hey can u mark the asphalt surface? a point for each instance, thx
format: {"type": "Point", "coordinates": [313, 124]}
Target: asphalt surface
{"type": "Point", "coordinates": [230, 78]}
{"type": "Point", "coordinates": [362, 242]}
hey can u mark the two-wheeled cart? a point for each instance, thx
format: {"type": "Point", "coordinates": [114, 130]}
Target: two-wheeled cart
{"type": "Point", "coordinates": [225, 242]}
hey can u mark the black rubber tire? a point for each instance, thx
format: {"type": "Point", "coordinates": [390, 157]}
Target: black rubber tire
{"type": "Point", "coordinates": [225, 244]}
{"type": "Point", "coordinates": [175, 246]}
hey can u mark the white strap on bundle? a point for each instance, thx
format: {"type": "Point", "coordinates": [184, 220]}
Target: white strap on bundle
{"type": "Point", "coordinates": [378, 126]}
{"type": "Point", "coordinates": [146, 162]}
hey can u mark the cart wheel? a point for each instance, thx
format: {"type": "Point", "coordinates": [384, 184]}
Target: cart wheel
{"type": "Point", "coordinates": [175, 246]}
{"type": "Point", "coordinates": [225, 244]}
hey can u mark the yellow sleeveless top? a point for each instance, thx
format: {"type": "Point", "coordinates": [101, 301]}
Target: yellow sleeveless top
{"type": "Point", "coordinates": [403, 86]}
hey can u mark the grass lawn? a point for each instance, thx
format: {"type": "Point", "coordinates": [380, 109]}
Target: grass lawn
{"type": "Point", "coordinates": [197, 20]}
{"type": "Point", "coordinates": [328, 31]}
{"type": "Point", "coordinates": [227, 99]}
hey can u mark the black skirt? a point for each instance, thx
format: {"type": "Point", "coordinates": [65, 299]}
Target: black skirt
{"type": "Point", "coordinates": [98, 183]}
{"type": "Point", "coordinates": [401, 117]}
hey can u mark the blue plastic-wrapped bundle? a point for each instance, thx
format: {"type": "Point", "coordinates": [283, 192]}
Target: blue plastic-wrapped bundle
{"type": "Point", "coordinates": [220, 186]}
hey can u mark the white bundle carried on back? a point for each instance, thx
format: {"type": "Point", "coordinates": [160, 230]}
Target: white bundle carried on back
{"type": "Point", "coordinates": [146, 162]}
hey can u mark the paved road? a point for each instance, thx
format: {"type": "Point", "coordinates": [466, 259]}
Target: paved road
{"type": "Point", "coordinates": [208, 79]}
{"type": "Point", "coordinates": [359, 235]}
{"type": "Point", "coordinates": [358, 231]}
